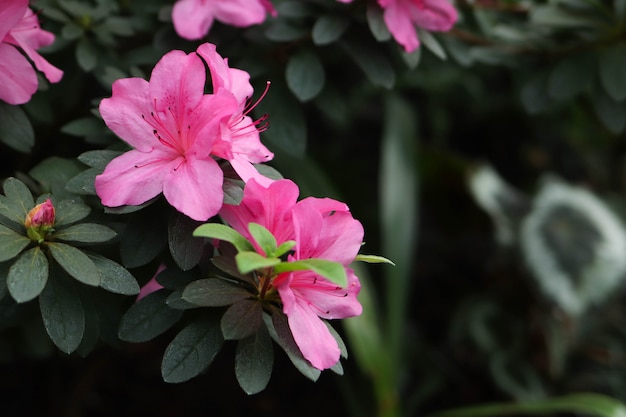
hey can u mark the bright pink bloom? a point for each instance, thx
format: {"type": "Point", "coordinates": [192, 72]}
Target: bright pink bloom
{"type": "Point", "coordinates": [19, 27]}
{"type": "Point", "coordinates": [193, 18]}
{"type": "Point", "coordinates": [322, 228]}
{"type": "Point", "coordinates": [401, 17]}
{"type": "Point", "coordinates": [173, 127]}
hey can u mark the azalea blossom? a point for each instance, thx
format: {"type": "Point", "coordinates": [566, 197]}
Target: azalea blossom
{"type": "Point", "coordinates": [174, 128]}
{"type": "Point", "coordinates": [20, 33]}
{"type": "Point", "coordinates": [322, 228]}
{"type": "Point", "coordinates": [402, 16]}
{"type": "Point", "coordinates": [193, 18]}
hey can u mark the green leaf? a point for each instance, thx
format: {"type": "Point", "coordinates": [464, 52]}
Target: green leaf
{"type": "Point", "coordinates": [28, 275]}
{"type": "Point", "coordinates": [373, 259]}
{"type": "Point", "coordinates": [70, 211]}
{"type": "Point", "coordinates": [192, 350]}
{"type": "Point", "coordinates": [184, 247]}
{"type": "Point", "coordinates": [263, 237]}
{"type": "Point", "coordinates": [328, 29]}
{"type": "Point", "coordinates": [242, 319]}
{"type": "Point", "coordinates": [173, 278]}
{"type": "Point", "coordinates": [332, 271]}
{"type": "Point", "coordinates": [114, 277]}
{"type": "Point", "coordinates": [85, 233]}
{"type": "Point", "coordinates": [254, 360]}
{"type": "Point", "coordinates": [15, 128]}
{"type": "Point", "coordinates": [284, 248]}
{"type": "Point", "coordinates": [11, 243]}
{"type": "Point", "coordinates": [19, 201]}
{"type": "Point", "coordinates": [570, 77]}
{"type": "Point", "coordinates": [62, 313]}
{"type": "Point", "coordinates": [75, 262]}
{"type": "Point", "coordinates": [372, 61]}
{"type": "Point", "coordinates": [176, 300]}
{"type": "Point", "coordinates": [143, 240]}
{"type": "Point", "coordinates": [99, 158]}
{"type": "Point", "coordinates": [214, 292]}
{"type": "Point", "coordinates": [86, 126]}
{"type": "Point", "coordinates": [53, 174]}
{"type": "Point", "coordinates": [91, 335]}
{"type": "Point", "coordinates": [581, 403]}
{"type": "Point", "coordinates": [610, 112]}
{"type": "Point", "coordinates": [612, 70]}
{"type": "Point", "coordinates": [148, 318]}
{"type": "Point", "coordinates": [305, 75]}
{"type": "Point", "coordinates": [429, 41]}
{"type": "Point", "coordinates": [4, 273]}
{"type": "Point", "coordinates": [225, 233]}
{"type": "Point", "coordinates": [283, 31]}
{"type": "Point", "coordinates": [534, 94]}
{"type": "Point", "coordinates": [251, 261]}
{"type": "Point", "coordinates": [86, 54]}
{"type": "Point", "coordinates": [83, 182]}
{"type": "Point", "coordinates": [554, 16]}
{"type": "Point", "coordinates": [280, 332]}
{"type": "Point", "coordinates": [376, 23]}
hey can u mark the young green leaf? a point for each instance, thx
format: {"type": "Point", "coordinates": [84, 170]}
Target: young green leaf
{"type": "Point", "coordinates": [263, 237]}
{"type": "Point", "coordinates": [251, 261]}
{"type": "Point", "coordinates": [373, 259]}
{"type": "Point", "coordinates": [225, 233]}
{"type": "Point", "coordinates": [332, 271]}
{"type": "Point", "coordinates": [284, 248]}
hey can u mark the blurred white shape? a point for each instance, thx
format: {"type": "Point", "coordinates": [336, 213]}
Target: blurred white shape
{"type": "Point", "coordinates": [574, 245]}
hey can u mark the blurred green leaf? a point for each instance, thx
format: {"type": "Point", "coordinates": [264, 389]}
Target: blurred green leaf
{"type": "Point", "coordinates": [328, 29]}
{"type": "Point", "coordinates": [612, 69]}
{"type": "Point", "coordinates": [85, 233]}
{"type": "Point", "coordinates": [534, 94]}
{"type": "Point", "coordinates": [75, 262]}
{"type": "Point", "coordinates": [54, 172]}
{"type": "Point", "coordinates": [372, 61]}
{"type": "Point", "coordinates": [570, 76]}
{"type": "Point", "coordinates": [86, 54]}
{"type": "Point", "coordinates": [192, 350]}
{"type": "Point", "coordinates": [87, 126]}
{"type": "Point", "coordinates": [214, 292]}
{"type": "Point", "coordinates": [242, 319]}
{"type": "Point", "coordinates": [431, 43]}
{"type": "Point", "coordinates": [148, 318]}
{"type": "Point", "coordinates": [254, 360]}
{"type": "Point", "coordinates": [610, 112]}
{"type": "Point", "coordinates": [16, 130]}
{"type": "Point", "coordinates": [11, 243]}
{"type": "Point", "coordinates": [376, 23]}
{"type": "Point", "coordinates": [28, 275]}
{"type": "Point", "coordinates": [305, 75]}
{"type": "Point", "coordinates": [283, 31]}
{"type": "Point", "coordinates": [62, 313]}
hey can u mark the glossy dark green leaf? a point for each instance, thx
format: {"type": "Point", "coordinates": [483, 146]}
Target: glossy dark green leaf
{"type": "Point", "coordinates": [186, 249]}
{"type": "Point", "coordinates": [11, 243]}
{"type": "Point", "coordinates": [192, 350]}
{"type": "Point", "coordinates": [62, 313]}
{"type": "Point", "coordinates": [91, 335]}
{"type": "Point", "coordinates": [174, 278]}
{"type": "Point", "coordinates": [305, 75]}
{"type": "Point", "coordinates": [254, 360]}
{"type": "Point", "coordinates": [148, 318]}
{"type": "Point", "coordinates": [328, 29]}
{"type": "Point", "coordinates": [98, 158]}
{"type": "Point", "coordinates": [85, 233]}
{"type": "Point", "coordinates": [75, 262]}
{"type": "Point", "coordinates": [214, 292]}
{"type": "Point", "coordinates": [83, 183]}
{"type": "Point", "coordinates": [69, 211]}
{"type": "Point", "coordinates": [242, 319]}
{"type": "Point", "coordinates": [114, 277]}
{"type": "Point", "coordinates": [28, 275]}
{"type": "Point", "coordinates": [54, 172]}
{"type": "Point", "coordinates": [16, 130]}
{"type": "Point", "coordinates": [613, 71]}
{"type": "Point", "coordinates": [18, 202]}
{"type": "Point", "coordinates": [143, 240]}
{"type": "Point", "coordinates": [280, 332]}
{"type": "Point", "coordinates": [176, 300]}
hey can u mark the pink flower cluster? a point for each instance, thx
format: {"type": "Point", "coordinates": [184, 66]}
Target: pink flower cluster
{"type": "Point", "coordinates": [402, 16]}
{"type": "Point", "coordinates": [193, 18]}
{"type": "Point", "coordinates": [177, 131]}
{"type": "Point", "coordinates": [20, 33]}
{"type": "Point", "coordinates": [322, 228]}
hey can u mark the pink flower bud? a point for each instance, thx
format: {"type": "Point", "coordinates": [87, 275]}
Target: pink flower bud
{"type": "Point", "coordinates": [40, 221]}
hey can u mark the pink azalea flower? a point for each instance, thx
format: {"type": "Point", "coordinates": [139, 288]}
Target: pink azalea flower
{"type": "Point", "coordinates": [322, 228]}
{"type": "Point", "coordinates": [193, 18]}
{"type": "Point", "coordinates": [152, 285]}
{"type": "Point", "coordinates": [401, 17]}
{"type": "Point", "coordinates": [173, 127]}
{"type": "Point", "coordinates": [19, 28]}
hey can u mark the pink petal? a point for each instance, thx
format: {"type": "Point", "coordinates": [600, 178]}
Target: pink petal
{"type": "Point", "coordinates": [246, 141]}
{"type": "Point", "coordinates": [133, 178]}
{"type": "Point", "coordinates": [18, 81]}
{"type": "Point", "coordinates": [206, 120]}
{"type": "Point", "coordinates": [399, 23]}
{"type": "Point", "coordinates": [11, 11]}
{"type": "Point", "coordinates": [236, 81]}
{"type": "Point", "coordinates": [194, 188]}
{"type": "Point", "coordinates": [437, 15]}
{"type": "Point", "coordinates": [192, 19]}
{"type": "Point", "coordinates": [310, 333]}
{"type": "Point", "coordinates": [240, 13]}
{"type": "Point", "coordinates": [123, 113]}
{"type": "Point", "coordinates": [247, 171]}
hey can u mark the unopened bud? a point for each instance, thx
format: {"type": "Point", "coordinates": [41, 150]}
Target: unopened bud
{"type": "Point", "coordinates": [40, 221]}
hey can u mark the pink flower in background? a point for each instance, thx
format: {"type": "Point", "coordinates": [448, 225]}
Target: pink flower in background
{"type": "Point", "coordinates": [173, 127]}
{"type": "Point", "coordinates": [193, 18]}
{"type": "Point", "coordinates": [152, 285]}
{"type": "Point", "coordinates": [322, 228]}
{"type": "Point", "coordinates": [402, 16]}
{"type": "Point", "coordinates": [20, 30]}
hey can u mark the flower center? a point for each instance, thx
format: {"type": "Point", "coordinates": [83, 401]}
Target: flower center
{"type": "Point", "coordinates": [239, 129]}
